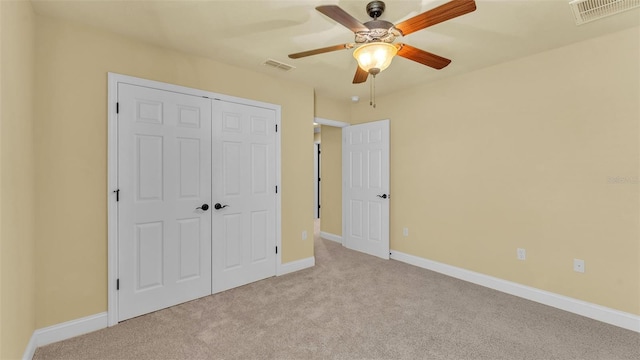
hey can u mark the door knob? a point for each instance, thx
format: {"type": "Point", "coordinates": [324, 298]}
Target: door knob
{"type": "Point", "coordinates": [204, 207]}
{"type": "Point", "coordinates": [217, 206]}
{"type": "Point", "coordinates": [384, 196]}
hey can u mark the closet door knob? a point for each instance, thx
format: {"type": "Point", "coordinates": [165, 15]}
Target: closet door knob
{"type": "Point", "coordinates": [204, 207]}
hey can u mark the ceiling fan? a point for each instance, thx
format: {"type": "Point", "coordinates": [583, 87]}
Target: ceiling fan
{"type": "Point", "coordinates": [377, 36]}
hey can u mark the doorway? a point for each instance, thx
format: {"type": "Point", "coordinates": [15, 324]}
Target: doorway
{"type": "Point", "coordinates": [361, 153]}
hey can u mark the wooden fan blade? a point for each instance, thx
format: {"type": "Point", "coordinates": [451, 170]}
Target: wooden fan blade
{"type": "Point", "coordinates": [342, 17]}
{"type": "Point", "coordinates": [321, 51]}
{"type": "Point", "coordinates": [421, 56]}
{"type": "Point", "coordinates": [431, 17]}
{"type": "Point", "coordinates": [361, 76]}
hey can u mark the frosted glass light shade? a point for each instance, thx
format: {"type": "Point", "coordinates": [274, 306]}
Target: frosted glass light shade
{"type": "Point", "coordinates": [376, 55]}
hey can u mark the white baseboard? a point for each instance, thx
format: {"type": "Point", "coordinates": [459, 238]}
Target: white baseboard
{"type": "Point", "coordinates": [73, 328]}
{"type": "Point", "coordinates": [332, 237]}
{"type": "Point", "coordinates": [583, 308]}
{"type": "Point", "coordinates": [296, 265]}
{"type": "Point", "coordinates": [31, 349]}
{"type": "Point", "coordinates": [63, 331]}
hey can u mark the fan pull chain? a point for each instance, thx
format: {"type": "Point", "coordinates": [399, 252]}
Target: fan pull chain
{"type": "Point", "coordinates": [372, 92]}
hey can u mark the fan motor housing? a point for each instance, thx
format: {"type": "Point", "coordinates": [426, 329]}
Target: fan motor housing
{"type": "Point", "coordinates": [378, 24]}
{"type": "Point", "coordinates": [375, 9]}
{"type": "Point", "coordinates": [379, 30]}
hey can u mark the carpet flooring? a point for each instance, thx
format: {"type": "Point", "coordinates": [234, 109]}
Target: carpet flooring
{"type": "Point", "coordinates": [354, 306]}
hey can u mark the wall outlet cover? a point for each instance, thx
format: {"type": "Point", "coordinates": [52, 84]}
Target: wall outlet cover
{"type": "Point", "coordinates": [521, 254]}
{"type": "Point", "coordinates": [578, 265]}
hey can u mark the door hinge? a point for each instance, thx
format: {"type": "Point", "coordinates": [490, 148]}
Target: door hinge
{"type": "Point", "coordinates": [276, 249]}
{"type": "Point", "coordinates": [117, 108]}
{"type": "Point", "coordinates": [117, 194]}
{"type": "Point", "coordinates": [276, 127]}
{"type": "Point", "coordinates": [276, 189]}
{"type": "Point", "coordinates": [118, 284]}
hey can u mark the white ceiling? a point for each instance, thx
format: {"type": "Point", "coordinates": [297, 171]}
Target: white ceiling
{"type": "Point", "coordinates": [246, 33]}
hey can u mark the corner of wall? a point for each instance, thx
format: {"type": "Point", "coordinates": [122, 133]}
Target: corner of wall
{"type": "Point", "coordinates": [17, 198]}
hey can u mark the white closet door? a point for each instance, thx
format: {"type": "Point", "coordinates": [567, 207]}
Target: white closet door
{"type": "Point", "coordinates": [164, 177]}
{"type": "Point", "coordinates": [244, 181]}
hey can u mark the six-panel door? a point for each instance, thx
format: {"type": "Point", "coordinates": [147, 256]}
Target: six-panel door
{"type": "Point", "coordinates": [366, 184]}
{"type": "Point", "coordinates": [244, 182]}
{"type": "Point", "coordinates": [164, 176]}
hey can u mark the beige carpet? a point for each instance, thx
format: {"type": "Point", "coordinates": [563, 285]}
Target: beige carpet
{"type": "Point", "coordinates": [354, 306]}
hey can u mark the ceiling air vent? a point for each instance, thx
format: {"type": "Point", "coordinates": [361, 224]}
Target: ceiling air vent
{"type": "Point", "coordinates": [278, 65]}
{"type": "Point", "coordinates": [585, 11]}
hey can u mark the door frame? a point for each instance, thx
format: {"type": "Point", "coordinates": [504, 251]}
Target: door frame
{"type": "Point", "coordinates": [316, 179]}
{"type": "Point", "coordinates": [337, 124]}
{"type": "Point", "coordinates": [113, 79]}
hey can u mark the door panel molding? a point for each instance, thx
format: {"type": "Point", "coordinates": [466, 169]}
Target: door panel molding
{"type": "Point", "coordinates": [112, 168]}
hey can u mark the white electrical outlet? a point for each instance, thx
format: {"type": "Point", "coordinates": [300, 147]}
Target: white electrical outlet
{"type": "Point", "coordinates": [522, 254]}
{"type": "Point", "coordinates": [578, 265]}
{"type": "Point", "coordinates": [405, 231]}
{"type": "Point", "coordinates": [304, 235]}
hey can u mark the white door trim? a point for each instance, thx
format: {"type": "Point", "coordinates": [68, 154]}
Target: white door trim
{"type": "Point", "coordinates": [328, 122]}
{"type": "Point", "coordinates": [112, 172]}
{"type": "Point", "coordinates": [316, 183]}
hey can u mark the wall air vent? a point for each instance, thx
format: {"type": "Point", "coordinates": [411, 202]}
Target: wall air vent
{"type": "Point", "coordinates": [278, 65]}
{"type": "Point", "coordinates": [585, 11]}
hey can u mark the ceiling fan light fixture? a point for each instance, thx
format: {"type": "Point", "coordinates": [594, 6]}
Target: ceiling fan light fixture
{"type": "Point", "coordinates": [375, 57]}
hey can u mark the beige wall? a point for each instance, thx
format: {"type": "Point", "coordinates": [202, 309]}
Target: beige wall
{"type": "Point", "coordinates": [17, 238]}
{"type": "Point", "coordinates": [331, 109]}
{"type": "Point", "coordinates": [72, 65]}
{"type": "Point", "coordinates": [331, 193]}
{"type": "Point", "coordinates": [524, 154]}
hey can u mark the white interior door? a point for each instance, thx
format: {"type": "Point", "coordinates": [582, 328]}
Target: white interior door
{"type": "Point", "coordinates": [244, 186]}
{"type": "Point", "coordinates": [164, 177]}
{"type": "Point", "coordinates": [365, 201]}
